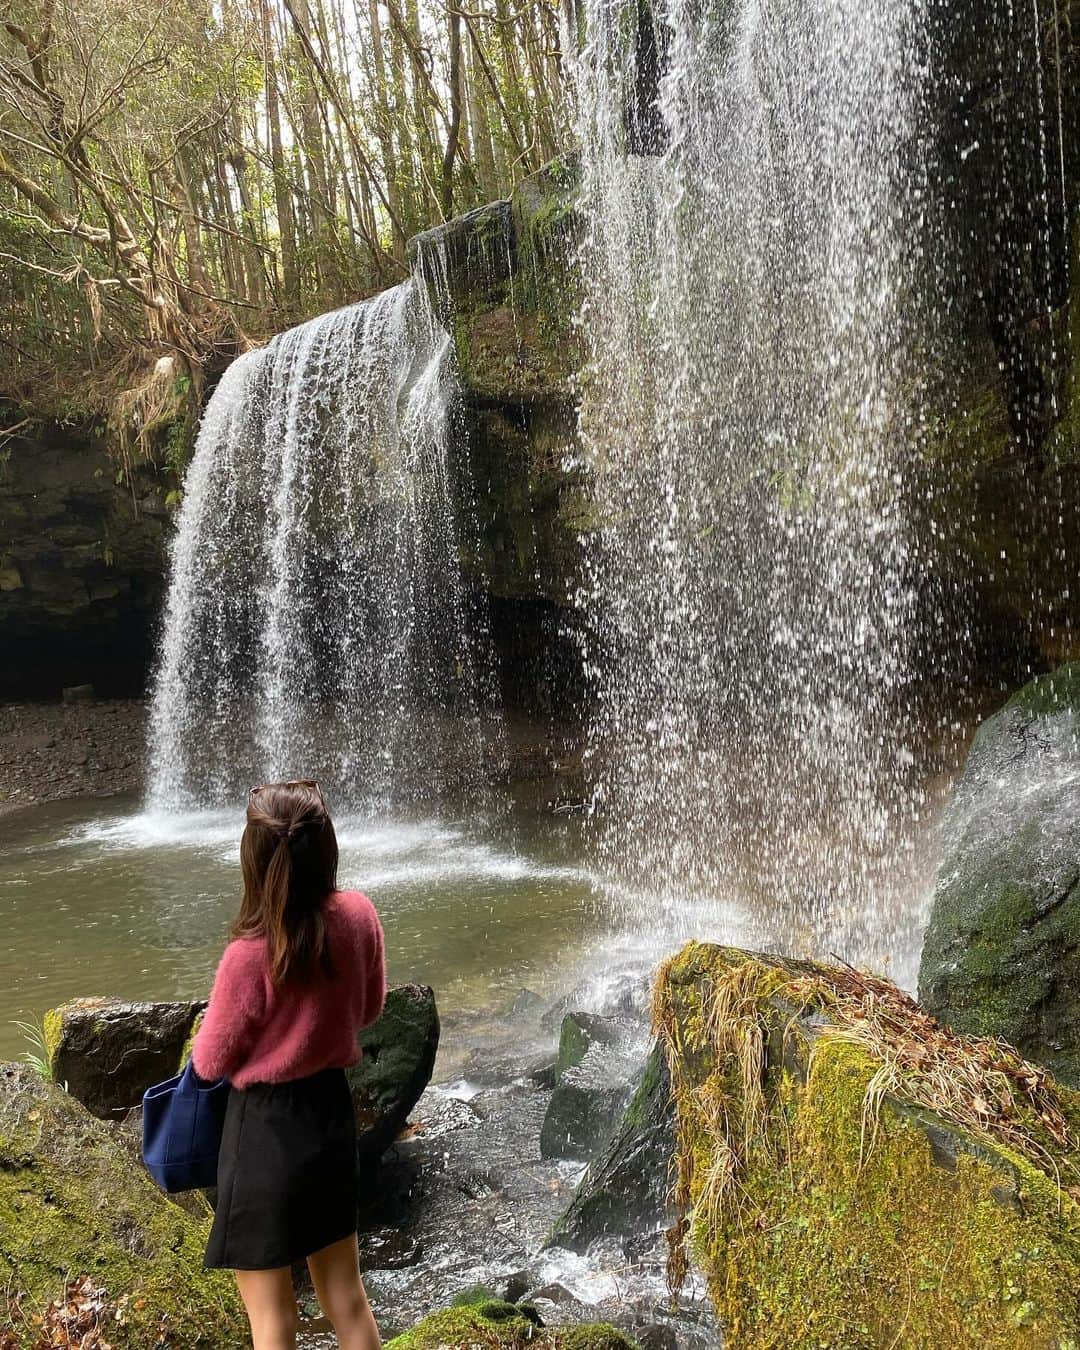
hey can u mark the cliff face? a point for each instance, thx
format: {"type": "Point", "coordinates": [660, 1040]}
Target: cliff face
{"type": "Point", "coordinates": [994, 484]}
{"type": "Point", "coordinates": [82, 557]}
{"type": "Point", "coordinates": [995, 490]}
{"type": "Point", "coordinates": [503, 280]}
{"type": "Point", "coordinates": [1000, 489]}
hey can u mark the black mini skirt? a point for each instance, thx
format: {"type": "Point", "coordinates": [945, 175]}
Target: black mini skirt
{"type": "Point", "coordinates": [286, 1173]}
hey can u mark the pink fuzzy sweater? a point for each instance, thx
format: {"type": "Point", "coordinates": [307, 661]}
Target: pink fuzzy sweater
{"type": "Point", "coordinates": [254, 1033]}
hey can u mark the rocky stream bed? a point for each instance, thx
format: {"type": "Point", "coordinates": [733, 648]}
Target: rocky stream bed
{"type": "Point", "coordinates": [800, 1150]}
{"type": "Point", "coordinates": [77, 748]}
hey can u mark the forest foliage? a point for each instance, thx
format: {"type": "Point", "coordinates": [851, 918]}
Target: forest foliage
{"type": "Point", "coordinates": [181, 177]}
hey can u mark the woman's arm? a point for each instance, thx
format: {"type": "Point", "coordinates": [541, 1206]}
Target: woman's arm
{"type": "Point", "coordinates": [237, 1010]}
{"type": "Point", "coordinates": [375, 974]}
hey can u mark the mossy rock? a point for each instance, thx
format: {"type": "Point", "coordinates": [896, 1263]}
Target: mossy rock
{"type": "Point", "coordinates": [504, 280]}
{"type": "Point", "coordinates": [595, 1077]}
{"type": "Point", "coordinates": [833, 1192]}
{"type": "Point", "coordinates": [508, 1325]}
{"type": "Point", "coordinates": [106, 1052]}
{"type": "Point", "coordinates": [1002, 949]}
{"type": "Point", "coordinates": [399, 1052]}
{"type": "Point", "coordinates": [73, 1203]}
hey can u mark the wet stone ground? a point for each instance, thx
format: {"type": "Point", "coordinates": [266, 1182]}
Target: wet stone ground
{"type": "Point", "coordinates": [465, 1200]}
{"type": "Point", "coordinates": [50, 751]}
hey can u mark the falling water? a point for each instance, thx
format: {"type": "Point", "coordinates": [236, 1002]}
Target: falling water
{"type": "Point", "coordinates": [317, 620]}
{"type": "Point", "coordinates": [747, 416]}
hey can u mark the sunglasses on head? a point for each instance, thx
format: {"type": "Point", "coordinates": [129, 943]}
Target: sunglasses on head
{"type": "Point", "coordinates": [293, 782]}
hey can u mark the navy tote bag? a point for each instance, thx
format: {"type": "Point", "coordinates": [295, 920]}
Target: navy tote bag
{"type": "Point", "coordinates": [182, 1123]}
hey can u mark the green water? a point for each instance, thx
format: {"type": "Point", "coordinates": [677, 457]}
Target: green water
{"type": "Point", "coordinates": [103, 898]}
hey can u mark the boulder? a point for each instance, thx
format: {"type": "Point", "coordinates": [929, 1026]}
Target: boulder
{"type": "Point", "coordinates": [579, 1033]}
{"type": "Point", "coordinates": [491, 1323]}
{"type": "Point", "coordinates": [850, 1173]}
{"type": "Point", "coordinates": [1002, 949]}
{"type": "Point", "coordinates": [77, 693]}
{"type": "Point", "coordinates": [594, 1079]}
{"type": "Point", "coordinates": [107, 1052]}
{"type": "Point", "coordinates": [399, 1056]}
{"type": "Point", "coordinates": [582, 1115]}
{"type": "Point", "coordinates": [76, 1215]}
{"type": "Point", "coordinates": [624, 1192]}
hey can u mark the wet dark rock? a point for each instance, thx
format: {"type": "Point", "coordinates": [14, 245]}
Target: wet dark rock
{"type": "Point", "coordinates": [557, 1306]}
{"type": "Point", "coordinates": [656, 1337]}
{"type": "Point", "coordinates": [399, 1056]}
{"type": "Point", "coordinates": [598, 1065]}
{"type": "Point", "coordinates": [77, 693]}
{"type": "Point", "coordinates": [581, 1116]}
{"type": "Point", "coordinates": [390, 1249]}
{"type": "Point", "coordinates": [543, 1072]}
{"type": "Point", "coordinates": [108, 1052]}
{"type": "Point", "coordinates": [579, 1033]}
{"type": "Point", "coordinates": [516, 1287]}
{"type": "Point", "coordinates": [1002, 949]}
{"type": "Point", "coordinates": [467, 1185]}
{"type": "Point", "coordinates": [624, 1192]}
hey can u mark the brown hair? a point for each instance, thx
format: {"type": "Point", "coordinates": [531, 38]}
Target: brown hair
{"type": "Point", "coordinates": [289, 858]}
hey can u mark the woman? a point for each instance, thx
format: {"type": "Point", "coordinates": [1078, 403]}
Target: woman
{"type": "Point", "coordinates": [303, 973]}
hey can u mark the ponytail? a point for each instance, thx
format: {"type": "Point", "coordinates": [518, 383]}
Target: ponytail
{"type": "Point", "coordinates": [289, 857]}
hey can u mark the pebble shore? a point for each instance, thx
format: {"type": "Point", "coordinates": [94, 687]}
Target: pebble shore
{"type": "Point", "coordinates": [51, 751]}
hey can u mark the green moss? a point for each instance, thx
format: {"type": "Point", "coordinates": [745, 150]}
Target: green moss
{"type": "Point", "coordinates": [73, 1202]}
{"type": "Point", "coordinates": [818, 1221]}
{"type": "Point", "coordinates": [511, 290]}
{"type": "Point", "coordinates": [185, 1053]}
{"type": "Point", "coordinates": [52, 1030]}
{"type": "Point", "coordinates": [574, 1042]}
{"type": "Point", "coordinates": [547, 228]}
{"type": "Point", "coordinates": [478, 1297]}
{"type": "Point", "coordinates": [507, 1325]}
{"type": "Point", "coordinates": [1049, 694]}
{"type": "Point", "coordinates": [599, 1336]}
{"type": "Point", "coordinates": [641, 1102]}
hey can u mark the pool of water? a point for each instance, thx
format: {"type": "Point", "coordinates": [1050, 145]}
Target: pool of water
{"type": "Point", "coordinates": [102, 897]}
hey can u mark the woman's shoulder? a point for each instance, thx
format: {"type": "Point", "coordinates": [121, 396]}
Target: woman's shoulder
{"type": "Point", "coordinates": [244, 955]}
{"type": "Point", "coordinates": [354, 904]}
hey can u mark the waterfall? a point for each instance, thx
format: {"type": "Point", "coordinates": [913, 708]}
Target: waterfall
{"type": "Point", "coordinates": [749, 416]}
{"type": "Point", "coordinates": [317, 621]}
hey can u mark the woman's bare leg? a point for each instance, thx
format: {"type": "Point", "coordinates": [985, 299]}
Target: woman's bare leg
{"type": "Point", "coordinates": [271, 1307]}
{"type": "Point", "coordinates": [335, 1273]}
